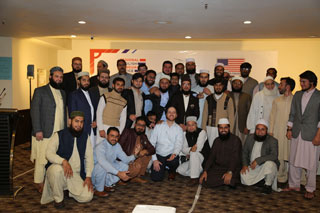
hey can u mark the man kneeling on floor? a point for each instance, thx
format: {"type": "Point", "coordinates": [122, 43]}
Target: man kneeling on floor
{"type": "Point", "coordinates": [70, 164]}
{"type": "Point", "coordinates": [135, 142]}
{"type": "Point", "coordinates": [260, 158]}
{"type": "Point", "coordinates": [224, 163]}
{"type": "Point", "coordinates": [112, 165]}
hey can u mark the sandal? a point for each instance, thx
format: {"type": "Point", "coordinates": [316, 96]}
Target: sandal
{"type": "Point", "coordinates": [309, 195]}
{"type": "Point", "coordinates": [291, 189]}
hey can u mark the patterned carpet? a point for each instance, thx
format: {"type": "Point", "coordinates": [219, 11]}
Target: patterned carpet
{"type": "Point", "coordinates": [175, 194]}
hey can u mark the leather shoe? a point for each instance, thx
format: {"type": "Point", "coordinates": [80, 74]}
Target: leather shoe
{"type": "Point", "coordinates": [121, 183]}
{"type": "Point", "coordinates": [59, 205]}
{"type": "Point", "coordinates": [193, 182]}
{"type": "Point", "coordinates": [138, 180]}
{"type": "Point", "coordinates": [172, 176]}
{"type": "Point", "coordinates": [101, 194]}
{"type": "Point", "coordinates": [109, 189]}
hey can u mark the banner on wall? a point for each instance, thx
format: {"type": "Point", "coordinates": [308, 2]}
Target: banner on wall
{"type": "Point", "coordinates": [260, 60]}
{"type": "Point", "coordinates": [5, 82]}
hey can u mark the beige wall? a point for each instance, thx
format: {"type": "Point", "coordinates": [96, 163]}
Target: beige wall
{"type": "Point", "coordinates": [294, 55]}
{"type": "Point", "coordinates": [24, 52]}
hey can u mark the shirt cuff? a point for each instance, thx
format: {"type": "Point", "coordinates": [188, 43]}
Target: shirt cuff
{"type": "Point", "coordinates": [290, 124]}
{"type": "Point", "coordinates": [154, 157]}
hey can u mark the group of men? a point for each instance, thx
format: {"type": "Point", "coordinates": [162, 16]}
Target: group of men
{"type": "Point", "coordinates": [219, 131]}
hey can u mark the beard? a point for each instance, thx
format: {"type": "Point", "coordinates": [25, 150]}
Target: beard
{"type": "Point", "coordinates": [203, 85]}
{"type": "Point", "coordinates": [102, 85]}
{"type": "Point", "coordinates": [191, 71]}
{"type": "Point", "coordinates": [139, 132]}
{"type": "Point", "coordinates": [186, 92]}
{"type": "Point", "coordinates": [224, 137]}
{"type": "Point", "coordinates": [217, 93]}
{"type": "Point", "coordinates": [85, 88]}
{"type": "Point", "coordinates": [260, 138]}
{"type": "Point", "coordinates": [282, 91]}
{"type": "Point", "coordinates": [218, 76]}
{"type": "Point", "coordinates": [149, 83]}
{"type": "Point", "coordinates": [268, 92]}
{"type": "Point", "coordinates": [117, 91]}
{"type": "Point", "coordinates": [163, 90]}
{"type": "Point", "coordinates": [54, 84]}
{"type": "Point", "coordinates": [306, 89]}
{"type": "Point", "coordinates": [244, 75]}
{"type": "Point", "coordinates": [74, 132]}
{"type": "Point", "coordinates": [76, 71]}
{"type": "Point", "coordinates": [236, 90]}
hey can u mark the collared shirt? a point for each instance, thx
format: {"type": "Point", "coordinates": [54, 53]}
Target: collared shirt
{"type": "Point", "coordinates": [163, 102]}
{"type": "Point", "coordinates": [256, 151]}
{"type": "Point", "coordinates": [186, 101]}
{"type": "Point", "coordinates": [166, 140]}
{"type": "Point", "coordinates": [59, 112]}
{"type": "Point", "coordinates": [86, 94]}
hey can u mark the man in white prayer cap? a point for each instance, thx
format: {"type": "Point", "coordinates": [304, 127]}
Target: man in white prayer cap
{"type": "Point", "coordinates": [262, 103]}
{"type": "Point", "coordinates": [260, 158]}
{"type": "Point", "coordinates": [191, 71]}
{"type": "Point", "coordinates": [193, 145]}
{"type": "Point", "coordinates": [224, 163]}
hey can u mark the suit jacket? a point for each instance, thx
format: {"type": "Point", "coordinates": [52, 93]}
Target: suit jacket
{"type": "Point", "coordinates": [243, 109]}
{"type": "Point", "coordinates": [156, 103]}
{"type": "Point", "coordinates": [127, 141]}
{"type": "Point", "coordinates": [178, 103]}
{"type": "Point", "coordinates": [269, 150]}
{"type": "Point", "coordinates": [78, 102]}
{"type": "Point", "coordinates": [69, 83]}
{"type": "Point", "coordinates": [43, 110]}
{"type": "Point", "coordinates": [131, 108]}
{"type": "Point", "coordinates": [94, 81]}
{"type": "Point", "coordinates": [307, 122]}
{"type": "Point", "coordinates": [249, 86]}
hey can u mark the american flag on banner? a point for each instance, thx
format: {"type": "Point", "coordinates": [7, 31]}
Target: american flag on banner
{"type": "Point", "coordinates": [232, 65]}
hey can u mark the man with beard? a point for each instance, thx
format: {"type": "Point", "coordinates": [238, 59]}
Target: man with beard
{"type": "Point", "coordinates": [112, 165]}
{"type": "Point", "coordinates": [150, 123]}
{"type": "Point", "coordinates": [166, 71]}
{"type": "Point", "coordinates": [48, 115]}
{"type": "Point", "coordinates": [70, 164]}
{"type": "Point", "coordinates": [135, 99]}
{"type": "Point", "coordinates": [217, 105]}
{"type": "Point", "coordinates": [262, 103]}
{"type": "Point", "coordinates": [203, 89]}
{"type": "Point", "coordinates": [260, 158]}
{"type": "Point", "coordinates": [304, 132]}
{"type": "Point", "coordinates": [184, 102]}
{"type": "Point", "coordinates": [193, 143]}
{"type": "Point", "coordinates": [167, 138]}
{"type": "Point", "coordinates": [149, 79]}
{"type": "Point", "coordinates": [279, 117]}
{"type": "Point", "coordinates": [81, 100]}
{"type": "Point", "coordinates": [174, 83]}
{"type": "Point", "coordinates": [111, 110]}
{"type": "Point", "coordinates": [224, 163]}
{"type": "Point", "coordinates": [179, 69]}
{"type": "Point", "coordinates": [101, 66]}
{"type": "Point", "coordinates": [270, 72]}
{"type": "Point", "coordinates": [135, 142]}
{"type": "Point", "coordinates": [69, 83]}
{"type": "Point", "coordinates": [191, 71]}
{"type": "Point", "coordinates": [142, 69]}
{"type": "Point", "coordinates": [219, 73]}
{"type": "Point", "coordinates": [249, 83]}
{"type": "Point", "coordinates": [242, 103]}
{"type": "Point", "coordinates": [122, 73]}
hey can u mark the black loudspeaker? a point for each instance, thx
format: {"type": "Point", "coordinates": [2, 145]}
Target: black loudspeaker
{"type": "Point", "coordinates": [30, 71]}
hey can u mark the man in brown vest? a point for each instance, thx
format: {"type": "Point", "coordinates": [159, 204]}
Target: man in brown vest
{"type": "Point", "coordinates": [112, 110]}
{"type": "Point", "coordinates": [217, 105]}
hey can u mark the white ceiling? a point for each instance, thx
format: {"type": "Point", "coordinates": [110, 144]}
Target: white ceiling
{"type": "Point", "coordinates": [135, 19]}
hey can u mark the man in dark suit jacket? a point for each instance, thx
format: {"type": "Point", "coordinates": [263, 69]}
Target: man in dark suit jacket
{"type": "Point", "coordinates": [48, 115]}
{"type": "Point", "coordinates": [260, 158]}
{"type": "Point", "coordinates": [184, 102]}
{"type": "Point", "coordinates": [70, 79]}
{"type": "Point", "coordinates": [242, 103]}
{"type": "Point", "coordinates": [80, 100]}
{"type": "Point", "coordinates": [101, 65]}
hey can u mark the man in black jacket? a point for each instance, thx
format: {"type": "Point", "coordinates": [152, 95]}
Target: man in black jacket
{"type": "Point", "coordinates": [69, 83]}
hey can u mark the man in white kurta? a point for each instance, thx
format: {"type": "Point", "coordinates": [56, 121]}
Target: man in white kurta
{"type": "Point", "coordinates": [193, 141]}
{"type": "Point", "coordinates": [262, 103]}
{"type": "Point", "coordinates": [278, 124]}
{"type": "Point", "coordinates": [202, 90]}
{"type": "Point", "coordinates": [39, 108]}
{"type": "Point", "coordinates": [260, 159]}
{"type": "Point", "coordinates": [73, 174]}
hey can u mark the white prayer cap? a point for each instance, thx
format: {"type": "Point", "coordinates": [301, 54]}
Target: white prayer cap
{"type": "Point", "coordinates": [227, 71]}
{"type": "Point", "coordinates": [219, 64]}
{"type": "Point", "coordinates": [263, 122]}
{"type": "Point", "coordinates": [165, 77]}
{"type": "Point", "coordinates": [238, 78]}
{"type": "Point", "coordinates": [191, 118]}
{"type": "Point", "coordinates": [268, 78]}
{"type": "Point", "coordinates": [204, 71]}
{"type": "Point", "coordinates": [80, 74]}
{"type": "Point", "coordinates": [223, 121]}
{"type": "Point", "coordinates": [190, 60]}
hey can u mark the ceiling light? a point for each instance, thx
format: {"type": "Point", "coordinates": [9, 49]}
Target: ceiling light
{"type": "Point", "coordinates": [313, 36]}
{"type": "Point", "coordinates": [188, 37]}
{"type": "Point", "coordinates": [162, 22]}
{"type": "Point", "coordinates": [247, 22]}
{"type": "Point", "coordinates": [82, 22]}
{"type": "Point", "coordinates": [73, 36]}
